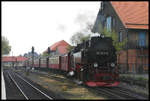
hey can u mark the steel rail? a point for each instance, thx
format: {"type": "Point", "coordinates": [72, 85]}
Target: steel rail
{"type": "Point", "coordinates": [120, 93]}
{"type": "Point", "coordinates": [107, 92]}
{"type": "Point", "coordinates": [128, 93]}
{"type": "Point", "coordinates": [34, 87]}
{"type": "Point", "coordinates": [18, 87]}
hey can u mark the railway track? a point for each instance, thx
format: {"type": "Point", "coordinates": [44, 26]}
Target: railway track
{"type": "Point", "coordinates": [28, 90]}
{"type": "Point", "coordinates": [107, 94]}
{"type": "Point", "coordinates": [137, 95]}
{"type": "Point", "coordinates": [127, 93]}
{"type": "Point", "coordinates": [110, 93]}
{"type": "Point", "coordinates": [121, 94]}
{"type": "Point", "coordinates": [115, 92]}
{"type": "Point", "coordinates": [12, 91]}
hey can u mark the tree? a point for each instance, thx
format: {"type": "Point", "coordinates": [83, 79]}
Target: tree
{"type": "Point", "coordinates": [78, 37]}
{"type": "Point", "coordinates": [45, 54]}
{"type": "Point", "coordinates": [118, 45]}
{"type": "Point", "coordinates": [89, 26]}
{"type": "Point", "coordinates": [6, 48]}
{"type": "Point", "coordinates": [69, 48]}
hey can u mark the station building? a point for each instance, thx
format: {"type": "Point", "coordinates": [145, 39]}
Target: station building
{"type": "Point", "coordinates": [13, 61]}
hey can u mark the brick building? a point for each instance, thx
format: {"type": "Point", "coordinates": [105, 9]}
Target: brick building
{"type": "Point", "coordinates": [129, 20]}
{"type": "Point", "coordinates": [59, 48]}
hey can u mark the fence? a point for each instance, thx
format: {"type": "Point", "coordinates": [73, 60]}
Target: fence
{"type": "Point", "coordinates": [133, 68]}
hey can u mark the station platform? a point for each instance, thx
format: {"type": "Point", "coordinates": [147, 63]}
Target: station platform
{"type": "Point", "coordinates": [3, 90]}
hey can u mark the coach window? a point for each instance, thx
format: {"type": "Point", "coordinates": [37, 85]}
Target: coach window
{"type": "Point", "coordinates": [62, 59]}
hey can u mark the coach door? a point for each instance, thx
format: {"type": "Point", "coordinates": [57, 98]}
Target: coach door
{"type": "Point", "coordinates": [60, 62]}
{"type": "Point", "coordinates": [68, 62]}
{"type": "Point", "coordinates": [47, 62]}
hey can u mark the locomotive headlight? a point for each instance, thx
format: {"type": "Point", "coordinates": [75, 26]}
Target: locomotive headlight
{"type": "Point", "coordinates": [95, 64]}
{"type": "Point", "coordinates": [97, 53]}
{"type": "Point", "coordinates": [112, 65]}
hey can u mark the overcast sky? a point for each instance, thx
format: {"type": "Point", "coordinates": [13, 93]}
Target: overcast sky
{"type": "Point", "coordinates": [41, 24]}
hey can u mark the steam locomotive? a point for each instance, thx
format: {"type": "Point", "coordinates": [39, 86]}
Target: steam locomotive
{"type": "Point", "coordinates": [93, 62]}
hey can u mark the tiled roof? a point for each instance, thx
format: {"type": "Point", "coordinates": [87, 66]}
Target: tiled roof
{"type": "Point", "coordinates": [133, 14]}
{"type": "Point", "coordinates": [59, 43]}
{"type": "Point", "coordinates": [62, 49]}
{"type": "Point", "coordinates": [61, 46]}
{"type": "Point", "coordinates": [13, 58]}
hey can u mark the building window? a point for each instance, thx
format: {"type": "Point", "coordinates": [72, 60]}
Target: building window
{"type": "Point", "coordinates": [113, 22]}
{"type": "Point", "coordinates": [103, 21]}
{"type": "Point", "coordinates": [142, 39]}
{"type": "Point", "coordinates": [108, 23]}
{"type": "Point", "coordinates": [120, 36]}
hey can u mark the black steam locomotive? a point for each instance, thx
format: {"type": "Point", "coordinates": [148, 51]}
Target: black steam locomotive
{"type": "Point", "coordinates": [94, 61]}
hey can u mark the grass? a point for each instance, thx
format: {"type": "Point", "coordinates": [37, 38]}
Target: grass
{"type": "Point", "coordinates": [142, 79]}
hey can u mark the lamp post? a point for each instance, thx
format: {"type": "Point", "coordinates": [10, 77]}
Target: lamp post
{"type": "Point", "coordinates": [48, 51]}
{"type": "Point", "coordinates": [32, 56]}
{"type": "Point", "coordinates": [40, 61]}
{"type": "Point", "coordinates": [16, 62]}
{"type": "Point", "coordinates": [12, 59]}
